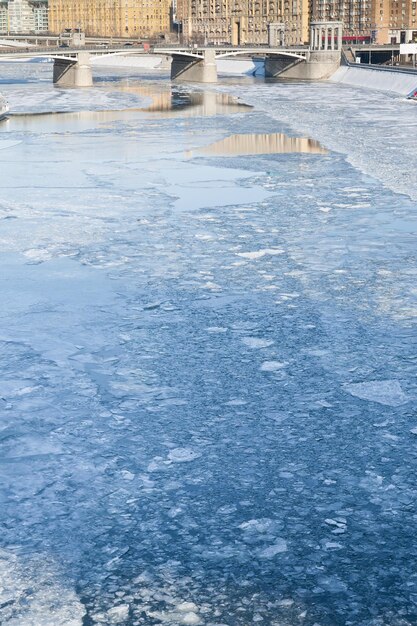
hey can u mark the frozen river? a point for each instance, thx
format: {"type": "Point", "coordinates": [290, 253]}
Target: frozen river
{"type": "Point", "coordinates": [208, 354]}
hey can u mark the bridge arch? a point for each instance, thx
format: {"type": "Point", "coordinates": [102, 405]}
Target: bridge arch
{"type": "Point", "coordinates": [253, 52]}
{"type": "Point", "coordinates": [180, 52]}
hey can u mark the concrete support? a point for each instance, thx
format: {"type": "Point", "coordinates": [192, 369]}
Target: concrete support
{"type": "Point", "coordinates": [74, 72]}
{"type": "Point", "coordinates": [320, 65]}
{"type": "Point", "coordinates": [195, 69]}
{"type": "Point", "coordinates": [277, 65]}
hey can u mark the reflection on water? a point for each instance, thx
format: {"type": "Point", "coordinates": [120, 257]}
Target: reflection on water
{"type": "Point", "coordinates": [274, 143]}
{"type": "Point", "coordinates": [170, 99]}
{"type": "Point", "coordinates": [165, 101]}
{"type": "Point", "coordinates": [192, 103]}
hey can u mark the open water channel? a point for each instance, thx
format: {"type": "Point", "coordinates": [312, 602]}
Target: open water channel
{"type": "Point", "coordinates": [208, 354]}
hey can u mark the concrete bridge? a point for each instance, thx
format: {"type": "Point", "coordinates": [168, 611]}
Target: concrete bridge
{"type": "Point", "coordinates": [199, 64]}
{"type": "Point", "coordinates": [72, 66]}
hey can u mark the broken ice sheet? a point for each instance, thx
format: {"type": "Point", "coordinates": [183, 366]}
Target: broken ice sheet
{"type": "Point", "coordinates": [278, 547]}
{"type": "Point", "coordinates": [387, 392]}
{"type": "Point", "coordinates": [256, 342]}
{"type": "Point", "coordinates": [183, 455]}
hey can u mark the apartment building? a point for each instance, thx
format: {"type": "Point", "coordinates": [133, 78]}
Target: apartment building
{"type": "Point", "coordinates": [242, 21]}
{"type": "Point", "coordinates": [40, 15]}
{"type": "Point", "coordinates": [23, 16]}
{"type": "Point", "coordinates": [379, 21]}
{"type": "Point", "coordinates": [356, 15]}
{"type": "Point", "coordinates": [394, 21]}
{"type": "Point", "coordinates": [111, 18]}
{"type": "Point", "coordinates": [4, 16]}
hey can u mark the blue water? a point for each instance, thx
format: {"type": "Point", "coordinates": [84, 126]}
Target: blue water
{"type": "Point", "coordinates": [208, 372]}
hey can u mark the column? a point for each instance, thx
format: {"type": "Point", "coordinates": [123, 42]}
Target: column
{"type": "Point", "coordinates": [332, 37]}
{"type": "Point", "coordinates": [326, 37]}
{"type": "Point", "coordinates": [339, 38]}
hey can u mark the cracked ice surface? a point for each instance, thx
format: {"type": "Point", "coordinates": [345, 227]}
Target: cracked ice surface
{"type": "Point", "coordinates": [207, 410]}
{"type": "Point", "coordinates": [380, 139]}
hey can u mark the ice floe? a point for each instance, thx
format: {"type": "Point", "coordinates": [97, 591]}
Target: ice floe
{"type": "Point", "coordinates": [387, 392]}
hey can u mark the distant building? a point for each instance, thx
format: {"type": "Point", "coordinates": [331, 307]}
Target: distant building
{"type": "Point", "coordinates": [356, 16]}
{"type": "Point", "coordinates": [111, 18]}
{"type": "Point", "coordinates": [243, 21]}
{"type": "Point", "coordinates": [40, 15]}
{"type": "Point", "coordinates": [4, 16]}
{"type": "Point", "coordinates": [23, 16]}
{"type": "Point", "coordinates": [394, 21]}
{"type": "Point", "coordinates": [378, 21]}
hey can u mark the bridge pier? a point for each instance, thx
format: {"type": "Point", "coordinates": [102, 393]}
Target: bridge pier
{"type": "Point", "coordinates": [319, 65]}
{"type": "Point", "coordinates": [74, 72]}
{"type": "Point", "coordinates": [202, 69]}
{"type": "Point", "coordinates": [275, 65]}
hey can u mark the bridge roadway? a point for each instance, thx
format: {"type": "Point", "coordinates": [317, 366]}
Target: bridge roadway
{"type": "Point", "coordinates": [58, 52]}
{"type": "Point", "coordinates": [195, 52]}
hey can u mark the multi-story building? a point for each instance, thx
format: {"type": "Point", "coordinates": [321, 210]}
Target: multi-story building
{"type": "Point", "coordinates": [379, 21]}
{"type": "Point", "coordinates": [111, 18]}
{"type": "Point", "coordinates": [356, 16]}
{"type": "Point", "coordinates": [242, 21]}
{"type": "Point", "coordinates": [20, 17]}
{"type": "Point", "coordinates": [40, 15]}
{"type": "Point", "coordinates": [23, 16]}
{"type": "Point", "coordinates": [394, 21]}
{"type": "Point", "coordinates": [4, 16]}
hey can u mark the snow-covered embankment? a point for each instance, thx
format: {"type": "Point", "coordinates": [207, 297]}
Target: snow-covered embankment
{"type": "Point", "coordinates": [380, 79]}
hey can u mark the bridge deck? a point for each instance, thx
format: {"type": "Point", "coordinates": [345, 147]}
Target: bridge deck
{"type": "Point", "coordinates": [67, 52]}
{"type": "Point", "coordinates": [220, 51]}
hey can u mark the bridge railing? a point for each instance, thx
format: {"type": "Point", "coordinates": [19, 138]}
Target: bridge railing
{"type": "Point", "coordinates": [383, 68]}
{"type": "Point", "coordinates": [67, 51]}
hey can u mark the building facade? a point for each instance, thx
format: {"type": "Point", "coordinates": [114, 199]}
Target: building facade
{"type": "Point", "coordinates": [378, 21]}
{"type": "Point", "coordinates": [40, 15]}
{"type": "Point", "coordinates": [111, 18]}
{"type": "Point", "coordinates": [4, 16]}
{"type": "Point", "coordinates": [394, 21]}
{"type": "Point", "coordinates": [242, 22]}
{"type": "Point", "coordinates": [23, 16]}
{"type": "Point", "coordinates": [356, 16]}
